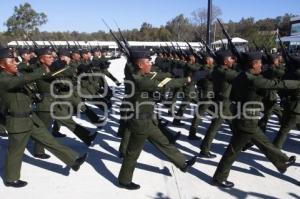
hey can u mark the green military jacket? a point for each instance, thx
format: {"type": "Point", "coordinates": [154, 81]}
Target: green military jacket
{"type": "Point", "coordinates": [205, 84]}
{"type": "Point", "coordinates": [17, 105]}
{"type": "Point", "coordinates": [222, 79]}
{"type": "Point", "coordinates": [246, 88]}
{"type": "Point", "coordinates": [273, 73]}
{"type": "Point", "coordinates": [145, 86]}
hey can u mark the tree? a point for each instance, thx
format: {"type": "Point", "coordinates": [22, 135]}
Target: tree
{"type": "Point", "coordinates": [180, 27]}
{"type": "Point", "coordinates": [24, 20]}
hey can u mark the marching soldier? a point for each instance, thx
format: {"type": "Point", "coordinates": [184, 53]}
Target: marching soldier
{"type": "Point", "coordinates": [222, 77]}
{"type": "Point", "coordinates": [246, 90]}
{"type": "Point", "coordinates": [22, 123]}
{"type": "Point", "coordinates": [142, 126]}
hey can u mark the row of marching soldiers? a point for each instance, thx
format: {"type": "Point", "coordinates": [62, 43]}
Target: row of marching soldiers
{"type": "Point", "coordinates": [40, 92]}
{"type": "Point", "coordinates": [223, 80]}
{"type": "Point", "coordinates": [220, 78]}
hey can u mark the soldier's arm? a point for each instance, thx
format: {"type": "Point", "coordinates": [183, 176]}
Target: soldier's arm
{"type": "Point", "coordinates": [12, 82]}
{"type": "Point", "coordinates": [230, 74]}
{"type": "Point", "coordinates": [149, 85]}
{"type": "Point", "coordinates": [263, 83]}
{"type": "Point", "coordinates": [193, 67]}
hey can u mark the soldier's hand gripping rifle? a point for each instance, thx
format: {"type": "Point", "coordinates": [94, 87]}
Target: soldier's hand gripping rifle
{"type": "Point", "coordinates": [122, 46]}
{"type": "Point", "coordinates": [230, 44]}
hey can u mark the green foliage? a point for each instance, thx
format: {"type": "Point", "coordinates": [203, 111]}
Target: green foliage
{"type": "Point", "coordinates": [24, 20]}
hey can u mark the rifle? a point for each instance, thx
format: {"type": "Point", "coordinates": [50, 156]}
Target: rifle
{"type": "Point", "coordinates": [223, 45]}
{"type": "Point", "coordinates": [285, 54]}
{"type": "Point", "coordinates": [230, 44]}
{"type": "Point", "coordinates": [121, 45]}
{"type": "Point", "coordinates": [199, 57]}
{"type": "Point", "coordinates": [208, 49]}
{"type": "Point", "coordinates": [181, 51]}
{"type": "Point", "coordinates": [124, 40]}
{"type": "Point", "coordinates": [54, 47]}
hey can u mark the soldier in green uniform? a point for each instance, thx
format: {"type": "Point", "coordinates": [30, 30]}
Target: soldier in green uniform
{"type": "Point", "coordinates": [22, 123]}
{"type": "Point", "coordinates": [100, 60]}
{"type": "Point", "coordinates": [273, 72]}
{"type": "Point", "coordinates": [222, 77]}
{"type": "Point", "coordinates": [246, 91]}
{"type": "Point", "coordinates": [60, 110]}
{"type": "Point", "coordinates": [190, 68]}
{"type": "Point", "coordinates": [205, 88]}
{"type": "Point", "coordinates": [291, 115]}
{"type": "Point", "coordinates": [142, 126]}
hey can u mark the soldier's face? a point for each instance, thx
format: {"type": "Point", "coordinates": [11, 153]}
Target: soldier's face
{"type": "Point", "coordinates": [9, 65]}
{"type": "Point", "coordinates": [145, 65]}
{"type": "Point", "coordinates": [76, 56]}
{"type": "Point", "coordinates": [26, 57]}
{"type": "Point", "coordinates": [47, 60]}
{"type": "Point", "coordinates": [228, 61]}
{"type": "Point", "coordinates": [256, 66]}
{"type": "Point", "coordinates": [209, 61]}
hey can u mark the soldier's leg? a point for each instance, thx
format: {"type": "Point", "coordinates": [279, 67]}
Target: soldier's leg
{"type": "Point", "coordinates": [160, 141]}
{"type": "Point", "coordinates": [271, 152]}
{"type": "Point", "coordinates": [288, 123]}
{"type": "Point", "coordinates": [81, 132]}
{"type": "Point", "coordinates": [269, 106]}
{"type": "Point", "coordinates": [134, 148]}
{"type": "Point", "coordinates": [198, 118]}
{"type": "Point", "coordinates": [235, 146]}
{"type": "Point", "coordinates": [62, 152]}
{"type": "Point", "coordinates": [210, 134]}
{"type": "Point", "coordinates": [38, 148]}
{"type": "Point", "coordinates": [16, 148]}
{"type": "Point", "coordinates": [124, 142]}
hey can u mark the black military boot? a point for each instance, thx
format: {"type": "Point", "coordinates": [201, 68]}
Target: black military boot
{"type": "Point", "coordinates": [79, 161]}
{"type": "Point", "coordinates": [208, 155]}
{"type": "Point", "coordinates": [42, 156]}
{"type": "Point", "coordinates": [188, 164]}
{"type": "Point", "coordinates": [129, 186]}
{"type": "Point", "coordinates": [223, 184]}
{"type": "Point", "coordinates": [176, 137]}
{"type": "Point", "coordinates": [16, 184]}
{"type": "Point", "coordinates": [177, 122]}
{"type": "Point", "coordinates": [288, 163]}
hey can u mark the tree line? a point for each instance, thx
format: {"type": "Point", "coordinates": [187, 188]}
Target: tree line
{"type": "Point", "coordinates": [25, 22]}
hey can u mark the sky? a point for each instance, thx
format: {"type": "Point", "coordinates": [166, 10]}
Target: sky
{"type": "Point", "coordinates": [85, 16]}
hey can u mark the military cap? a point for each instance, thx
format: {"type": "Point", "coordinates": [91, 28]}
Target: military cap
{"type": "Point", "coordinates": [43, 51]}
{"type": "Point", "coordinates": [75, 50]}
{"type": "Point", "coordinates": [222, 54]}
{"type": "Point", "coordinates": [96, 50]}
{"type": "Point", "coordinates": [250, 56]}
{"type": "Point", "coordinates": [84, 51]}
{"type": "Point", "coordinates": [135, 55]}
{"type": "Point", "coordinates": [6, 53]}
{"type": "Point", "coordinates": [64, 52]}
{"type": "Point", "coordinates": [23, 51]}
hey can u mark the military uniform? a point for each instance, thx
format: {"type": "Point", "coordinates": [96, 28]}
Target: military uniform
{"type": "Point", "coordinates": [143, 127]}
{"type": "Point", "coordinates": [222, 79]}
{"type": "Point", "coordinates": [205, 88]}
{"type": "Point", "coordinates": [22, 124]}
{"type": "Point", "coordinates": [291, 115]}
{"type": "Point", "coordinates": [246, 89]}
